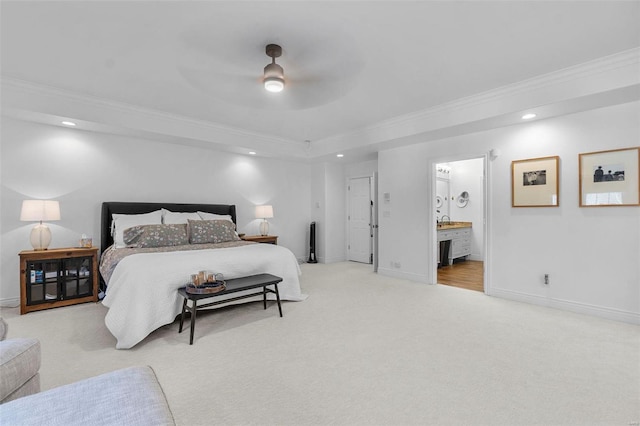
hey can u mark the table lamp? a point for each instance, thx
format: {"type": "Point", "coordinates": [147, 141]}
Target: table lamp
{"type": "Point", "coordinates": [39, 210]}
{"type": "Point", "coordinates": [264, 212]}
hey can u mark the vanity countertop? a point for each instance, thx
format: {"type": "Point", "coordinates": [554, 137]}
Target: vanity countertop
{"type": "Point", "coordinates": [453, 225]}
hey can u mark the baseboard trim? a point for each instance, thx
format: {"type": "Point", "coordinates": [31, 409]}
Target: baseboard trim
{"type": "Point", "coordinates": [331, 259]}
{"type": "Point", "coordinates": [568, 305]}
{"type": "Point", "coordinates": [10, 303]}
{"type": "Point", "coordinates": [403, 275]}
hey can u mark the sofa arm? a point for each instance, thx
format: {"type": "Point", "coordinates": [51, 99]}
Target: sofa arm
{"type": "Point", "coordinates": [131, 396]}
{"type": "Point", "coordinates": [19, 365]}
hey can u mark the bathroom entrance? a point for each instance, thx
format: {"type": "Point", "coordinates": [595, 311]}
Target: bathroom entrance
{"type": "Point", "coordinates": [460, 217]}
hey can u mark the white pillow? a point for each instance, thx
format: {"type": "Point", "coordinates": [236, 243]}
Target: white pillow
{"type": "Point", "coordinates": [169, 217]}
{"type": "Point", "coordinates": [213, 216]}
{"type": "Point", "coordinates": [123, 221]}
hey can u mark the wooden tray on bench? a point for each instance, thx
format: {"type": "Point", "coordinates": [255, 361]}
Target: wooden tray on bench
{"type": "Point", "coordinates": [206, 288]}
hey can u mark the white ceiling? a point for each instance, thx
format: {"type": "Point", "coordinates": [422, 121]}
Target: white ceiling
{"type": "Point", "coordinates": [349, 65]}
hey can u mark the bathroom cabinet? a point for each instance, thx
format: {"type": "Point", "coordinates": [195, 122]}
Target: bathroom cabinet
{"type": "Point", "coordinates": [459, 233]}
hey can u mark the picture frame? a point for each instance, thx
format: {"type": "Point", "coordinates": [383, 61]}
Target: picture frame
{"type": "Point", "coordinates": [610, 178]}
{"type": "Point", "coordinates": [535, 182]}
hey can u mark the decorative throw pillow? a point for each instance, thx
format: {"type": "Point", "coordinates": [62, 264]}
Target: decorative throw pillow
{"type": "Point", "coordinates": [147, 236]}
{"type": "Point", "coordinates": [211, 231]}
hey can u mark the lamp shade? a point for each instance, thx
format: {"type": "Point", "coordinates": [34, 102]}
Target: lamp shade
{"type": "Point", "coordinates": [40, 210]}
{"type": "Point", "coordinates": [264, 212]}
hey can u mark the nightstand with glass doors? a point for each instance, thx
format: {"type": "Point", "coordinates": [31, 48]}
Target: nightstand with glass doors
{"type": "Point", "coordinates": [57, 277]}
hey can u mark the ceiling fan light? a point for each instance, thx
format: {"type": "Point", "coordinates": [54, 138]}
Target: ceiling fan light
{"type": "Point", "coordinates": [274, 84]}
{"type": "Point", "coordinates": [273, 73]}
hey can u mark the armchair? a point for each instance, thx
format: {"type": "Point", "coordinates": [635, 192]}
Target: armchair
{"type": "Point", "coordinates": [19, 366]}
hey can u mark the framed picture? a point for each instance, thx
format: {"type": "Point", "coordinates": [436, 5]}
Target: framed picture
{"type": "Point", "coordinates": [534, 182]}
{"type": "Point", "coordinates": [610, 178]}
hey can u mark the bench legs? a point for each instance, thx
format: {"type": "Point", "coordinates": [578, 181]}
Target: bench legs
{"type": "Point", "coordinates": [277, 298]}
{"type": "Point", "coordinates": [184, 308]}
{"type": "Point", "coordinates": [264, 297]}
{"type": "Point", "coordinates": [194, 308]}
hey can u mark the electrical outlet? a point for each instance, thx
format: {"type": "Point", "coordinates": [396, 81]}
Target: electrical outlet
{"type": "Point", "coordinates": [546, 279]}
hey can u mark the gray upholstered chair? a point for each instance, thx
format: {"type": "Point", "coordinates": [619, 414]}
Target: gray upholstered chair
{"type": "Point", "coordinates": [19, 366]}
{"type": "Point", "coordinates": [130, 396]}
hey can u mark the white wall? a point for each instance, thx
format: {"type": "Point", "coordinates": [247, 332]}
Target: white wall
{"type": "Point", "coordinates": [318, 209]}
{"type": "Point", "coordinates": [467, 175]}
{"type": "Point", "coordinates": [591, 254]}
{"type": "Point", "coordinates": [329, 205]}
{"type": "Point", "coordinates": [336, 210]}
{"type": "Point", "coordinates": [361, 169]}
{"type": "Point", "coordinates": [82, 170]}
{"type": "Point", "coordinates": [327, 210]}
{"type": "Point", "coordinates": [403, 232]}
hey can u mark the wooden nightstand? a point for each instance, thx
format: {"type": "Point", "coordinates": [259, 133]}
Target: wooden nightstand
{"type": "Point", "coordinates": [57, 277]}
{"type": "Point", "coordinates": [268, 239]}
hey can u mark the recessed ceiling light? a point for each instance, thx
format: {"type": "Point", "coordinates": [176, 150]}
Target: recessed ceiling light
{"type": "Point", "coordinates": [528, 116]}
{"type": "Point", "coordinates": [340, 155]}
{"type": "Point", "coordinates": [69, 123]}
{"type": "Point", "coordinates": [252, 153]}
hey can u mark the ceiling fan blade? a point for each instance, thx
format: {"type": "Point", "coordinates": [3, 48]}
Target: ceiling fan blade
{"type": "Point", "coordinates": [314, 73]}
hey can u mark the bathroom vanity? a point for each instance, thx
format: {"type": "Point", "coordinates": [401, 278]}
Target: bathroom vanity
{"type": "Point", "coordinates": [454, 238]}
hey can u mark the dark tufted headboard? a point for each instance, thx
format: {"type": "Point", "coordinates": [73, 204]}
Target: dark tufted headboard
{"type": "Point", "coordinates": [109, 208]}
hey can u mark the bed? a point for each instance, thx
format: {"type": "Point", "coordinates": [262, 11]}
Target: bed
{"type": "Point", "coordinates": [141, 283]}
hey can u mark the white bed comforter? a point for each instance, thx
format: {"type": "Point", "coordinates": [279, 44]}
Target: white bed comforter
{"type": "Point", "coordinates": [141, 295]}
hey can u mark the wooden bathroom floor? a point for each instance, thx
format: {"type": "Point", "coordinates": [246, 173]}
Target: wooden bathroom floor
{"type": "Point", "coordinates": [468, 274]}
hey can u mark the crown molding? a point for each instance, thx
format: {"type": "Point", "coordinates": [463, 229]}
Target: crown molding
{"type": "Point", "coordinates": [130, 109]}
{"type": "Point", "coordinates": [415, 120]}
{"type": "Point", "coordinates": [545, 88]}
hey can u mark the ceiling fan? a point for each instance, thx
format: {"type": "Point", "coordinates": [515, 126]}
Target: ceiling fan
{"type": "Point", "coordinates": [273, 73]}
{"type": "Point", "coordinates": [318, 72]}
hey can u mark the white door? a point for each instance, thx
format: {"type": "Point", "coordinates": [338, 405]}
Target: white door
{"type": "Point", "coordinates": [360, 238]}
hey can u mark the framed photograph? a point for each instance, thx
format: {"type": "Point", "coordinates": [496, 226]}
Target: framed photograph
{"type": "Point", "coordinates": [610, 178]}
{"type": "Point", "coordinates": [535, 182]}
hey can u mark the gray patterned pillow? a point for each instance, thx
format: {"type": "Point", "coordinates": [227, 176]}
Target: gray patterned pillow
{"type": "Point", "coordinates": [211, 231]}
{"type": "Point", "coordinates": [146, 236]}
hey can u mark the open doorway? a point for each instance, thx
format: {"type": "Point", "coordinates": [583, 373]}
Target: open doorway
{"type": "Point", "coordinates": [459, 204]}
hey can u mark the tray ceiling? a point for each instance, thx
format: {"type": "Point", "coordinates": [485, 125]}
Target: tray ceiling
{"type": "Point", "coordinates": [348, 65]}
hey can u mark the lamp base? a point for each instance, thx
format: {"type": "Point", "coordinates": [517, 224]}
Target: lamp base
{"type": "Point", "coordinates": [40, 237]}
{"type": "Point", "coordinates": [264, 228]}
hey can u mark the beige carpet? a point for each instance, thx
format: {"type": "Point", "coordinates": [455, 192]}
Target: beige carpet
{"type": "Point", "coordinates": [364, 349]}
